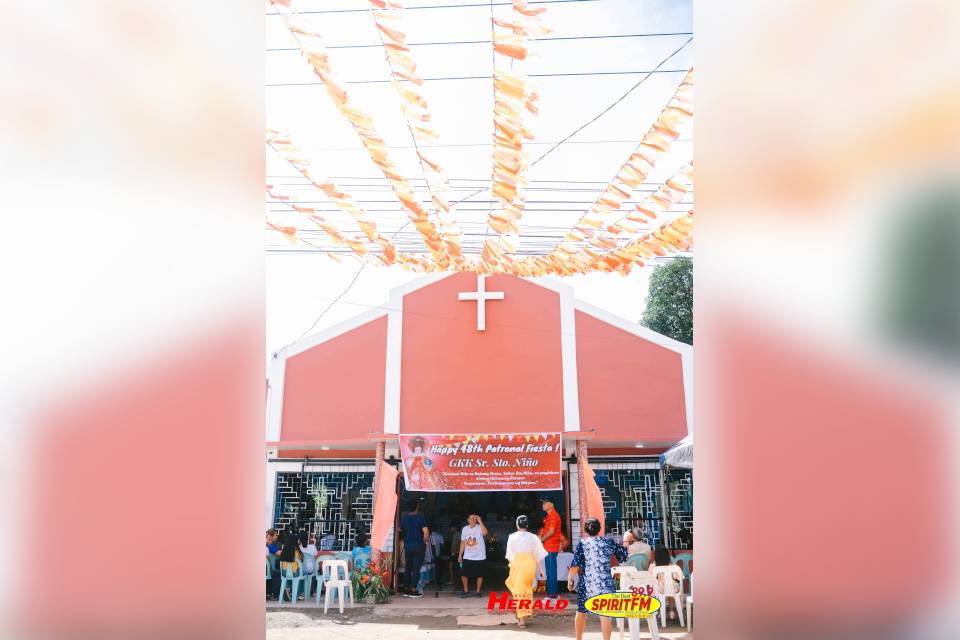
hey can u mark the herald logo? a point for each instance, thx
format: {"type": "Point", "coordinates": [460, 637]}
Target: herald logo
{"type": "Point", "coordinates": [503, 600]}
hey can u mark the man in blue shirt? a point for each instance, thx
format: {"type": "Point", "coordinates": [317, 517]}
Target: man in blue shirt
{"type": "Point", "coordinates": [416, 536]}
{"type": "Point", "coordinates": [273, 587]}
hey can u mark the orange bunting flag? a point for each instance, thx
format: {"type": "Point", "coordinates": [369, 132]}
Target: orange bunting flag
{"type": "Point", "coordinates": [283, 145]}
{"type": "Point", "coordinates": [311, 44]}
{"type": "Point", "coordinates": [416, 111]}
{"type": "Point", "coordinates": [514, 104]}
{"type": "Point", "coordinates": [615, 234]}
{"type": "Point", "coordinates": [668, 195]}
{"type": "Point", "coordinates": [632, 173]}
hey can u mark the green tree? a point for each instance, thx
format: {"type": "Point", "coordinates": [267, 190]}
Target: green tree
{"type": "Point", "coordinates": [670, 300]}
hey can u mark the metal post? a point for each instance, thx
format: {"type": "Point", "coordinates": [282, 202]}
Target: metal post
{"type": "Point", "coordinates": [581, 450]}
{"type": "Point", "coordinates": [381, 449]}
{"type": "Point", "coordinates": [664, 507]}
{"type": "Point", "coordinates": [378, 460]}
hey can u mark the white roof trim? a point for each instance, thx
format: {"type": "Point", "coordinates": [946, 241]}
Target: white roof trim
{"type": "Point", "coordinates": [568, 350]}
{"type": "Point", "coordinates": [635, 328]}
{"type": "Point", "coordinates": [419, 283]}
{"type": "Point", "coordinates": [276, 377]}
{"type": "Point", "coordinates": [684, 349]}
{"type": "Point", "coordinates": [330, 333]}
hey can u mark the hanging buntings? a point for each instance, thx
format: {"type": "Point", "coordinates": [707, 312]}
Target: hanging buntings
{"type": "Point", "coordinates": [407, 84]}
{"type": "Point", "coordinates": [629, 225]}
{"type": "Point", "coordinates": [311, 45]}
{"type": "Point", "coordinates": [284, 146]}
{"type": "Point", "coordinates": [607, 237]}
{"type": "Point", "coordinates": [632, 173]}
{"type": "Point", "coordinates": [291, 232]}
{"type": "Point", "coordinates": [669, 238]}
{"type": "Point", "coordinates": [514, 104]}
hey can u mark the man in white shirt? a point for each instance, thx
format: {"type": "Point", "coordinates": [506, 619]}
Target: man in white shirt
{"type": "Point", "coordinates": [473, 553]}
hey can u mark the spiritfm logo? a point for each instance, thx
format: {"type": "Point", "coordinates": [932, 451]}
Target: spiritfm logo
{"type": "Point", "coordinates": [638, 603]}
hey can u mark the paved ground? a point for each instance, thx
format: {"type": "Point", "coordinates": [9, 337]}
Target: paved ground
{"type": "Point", "coordinates": [426, 618]}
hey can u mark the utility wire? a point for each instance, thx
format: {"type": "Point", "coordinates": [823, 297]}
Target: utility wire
{"type": "Point", "coordinates": [615, 102]}
{"type": "Point", "coordinates": [438, 6]}
{"type": "Point", "coordinates": [487, 144]}
{"type": "Point", "coordinates": [529, 75]}
{"type": "Point", "coordinates": [342, 293]}
{"type": "Point", "coordinates": [459, 42]}
{"type": "Point", "coordinates": [595, 118]}
{"type": "Point", "coordinates": [279, 175]}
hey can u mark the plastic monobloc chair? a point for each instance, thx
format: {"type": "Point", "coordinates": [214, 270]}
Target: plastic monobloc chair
{"type": "Point", "coordinates": [334, 583]}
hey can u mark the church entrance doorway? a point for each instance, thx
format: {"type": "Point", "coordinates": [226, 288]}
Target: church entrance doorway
{"type": "Point", "coordinates": [446, 513]}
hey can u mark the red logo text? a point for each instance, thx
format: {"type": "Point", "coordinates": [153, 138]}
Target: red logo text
{"type": "Point", "coordinates": [503, 600]}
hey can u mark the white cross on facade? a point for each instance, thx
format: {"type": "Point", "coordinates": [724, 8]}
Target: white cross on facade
{"type": "Point", "coordinates": [481, 295]}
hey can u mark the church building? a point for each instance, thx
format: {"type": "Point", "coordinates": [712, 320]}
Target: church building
{"type": "Point", "coordinates": [480, 363]}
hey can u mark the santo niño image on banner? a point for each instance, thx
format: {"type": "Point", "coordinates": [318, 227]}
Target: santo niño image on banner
{"type": "Point", "coordinates": [486, 462]}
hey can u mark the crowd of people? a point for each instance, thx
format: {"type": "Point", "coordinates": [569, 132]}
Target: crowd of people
{"type": "Point", "coordinates": [426, 552]}
{"type": "Point", "coordinates": [297, 554]}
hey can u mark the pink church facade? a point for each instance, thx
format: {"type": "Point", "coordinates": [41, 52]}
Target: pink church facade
{"type": "Point", "coordinates": [420, 364]}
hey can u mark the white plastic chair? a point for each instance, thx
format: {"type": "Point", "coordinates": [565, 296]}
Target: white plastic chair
{"type": "Point", "coordinates": [689, 605]}
{"type": "Point", "coordinates": [670, 590]}
{"type": "Point", "coordinates": [622, 570]}
{"type": "Point", "coordinates": [628, 582]}
{"type": "Point", "coordinates": [310, 560]}
{"type": "Point", "coordinates": [333, 582]}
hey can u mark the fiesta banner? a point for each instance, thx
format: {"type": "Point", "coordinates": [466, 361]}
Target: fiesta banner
{"type": "Point", "coordinates": [485, 462]}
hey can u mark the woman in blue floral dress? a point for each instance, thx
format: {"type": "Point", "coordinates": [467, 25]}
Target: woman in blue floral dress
{"type": "Point", "coordinates": [591, 569]}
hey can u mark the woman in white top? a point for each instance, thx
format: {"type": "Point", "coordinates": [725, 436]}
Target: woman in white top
{"type": "Point", "coordinates": [525, 553]}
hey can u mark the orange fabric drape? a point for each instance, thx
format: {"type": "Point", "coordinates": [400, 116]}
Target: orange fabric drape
{"type": "Point", "coordinates": [384, 505]}
{"type": "Point", "coordinates": [594, 499]}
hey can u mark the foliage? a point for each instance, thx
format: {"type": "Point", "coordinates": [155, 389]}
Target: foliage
{"type": "Point", "coordinates": [670, 300]}
{"type": "Point", "coordinates": [368, 581]}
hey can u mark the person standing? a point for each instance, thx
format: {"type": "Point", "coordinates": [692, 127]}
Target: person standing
{"type": "Point", "coordinates": [525, 553]}
{"type": "Point", "coordinates": [416, 536]}
{"type": "Point", "coordinates": [454, 549]}
{"type": "Point", "coordinates": [551, 535]}
{"type": "Point", "coordinates": [591, 572]}
{"type": "Point", "coordinates": [473, 553]}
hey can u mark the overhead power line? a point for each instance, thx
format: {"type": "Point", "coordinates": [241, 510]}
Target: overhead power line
{"type": "Point", "coordinates": [529, 75]}
{"type": "Point", "coordinates": [439, 6]}
{"type": "Point", "coordinates": [487, 144]}
{"type": "Point", "coordinates": [461, 42]}
{"type": "Point", "coordinates": [615, 102]}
